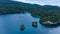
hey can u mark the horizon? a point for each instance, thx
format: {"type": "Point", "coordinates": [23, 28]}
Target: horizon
{"type": "Point", "coordinates": [41, 2]}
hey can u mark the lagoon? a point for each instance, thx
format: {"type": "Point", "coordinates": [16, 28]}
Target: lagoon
{"type": "Point", "coordinates": [10, 24]}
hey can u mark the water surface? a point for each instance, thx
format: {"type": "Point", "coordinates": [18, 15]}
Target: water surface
{"type": "Point", "coordinates": [10, 24]}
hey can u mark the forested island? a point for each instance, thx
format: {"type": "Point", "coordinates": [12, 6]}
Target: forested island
{"type": "Point", "coordinates": [46, 13]}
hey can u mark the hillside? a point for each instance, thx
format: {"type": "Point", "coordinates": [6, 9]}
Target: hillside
{"type": "Point", "coordinates": [46, 12]}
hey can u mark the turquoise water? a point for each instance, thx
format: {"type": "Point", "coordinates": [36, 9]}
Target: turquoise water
{"type": "Point", "coordinates": [10, 24]}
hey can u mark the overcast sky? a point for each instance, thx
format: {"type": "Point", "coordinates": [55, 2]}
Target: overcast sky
{"type": "Point", "coordinates": [42, 2]}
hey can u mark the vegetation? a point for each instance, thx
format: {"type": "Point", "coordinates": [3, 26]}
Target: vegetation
{"type": "Point", "coordinates": [34, 24]}
{"type": "Point", "coordinates": [22, 27]}
{"type": "Point", "coordinates": [46, 12]}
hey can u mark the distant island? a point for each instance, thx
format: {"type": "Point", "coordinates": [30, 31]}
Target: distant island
{"type": "Point", "coordinates": [47, 13]}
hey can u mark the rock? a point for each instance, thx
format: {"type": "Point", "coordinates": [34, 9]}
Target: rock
{"type": "Point", "coordinates": [47, 22]}
{"type": "Point", "coordinates": [58, 22]}
{"type": "Point", "coordinates": [50, 23]}
{"type": "Point", "coordinates": [22, 27]}
{"type": "Point", "coordinates": [34, 24]}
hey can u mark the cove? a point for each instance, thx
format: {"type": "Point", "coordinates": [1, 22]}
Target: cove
{"type": "Point", "coordinates": [10, 24]}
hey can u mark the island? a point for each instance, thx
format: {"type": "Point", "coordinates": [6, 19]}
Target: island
{"type": "Point", "coordinates": [48, 14]}
{"type": "Point", "coordinates": [22, 27]}
{"type": "Point", "coordinates": [34, 24]}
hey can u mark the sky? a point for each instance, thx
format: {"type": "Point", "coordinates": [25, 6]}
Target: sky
{"type": "Point", "coordinates": [41, 2]}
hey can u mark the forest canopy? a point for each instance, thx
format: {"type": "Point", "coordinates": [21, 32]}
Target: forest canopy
{"type": "Point", "coordinates": [46, 12]}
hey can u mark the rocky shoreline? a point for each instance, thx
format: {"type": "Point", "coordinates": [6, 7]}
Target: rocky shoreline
{"type": "Point", "coordinates": [50, 23]}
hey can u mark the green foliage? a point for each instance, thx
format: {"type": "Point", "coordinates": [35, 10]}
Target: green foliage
{"type": "Point", "coordinates": [46, 12]}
